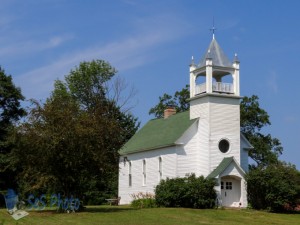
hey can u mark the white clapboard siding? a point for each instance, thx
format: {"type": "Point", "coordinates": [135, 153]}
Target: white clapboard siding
{"type": "Point", "coordinates": [203, 140]}
{"type": "Point", "coordinates": [244, 199]}
{"type": "Point", "coordinates": [199, 108]}
{"type": "Point", "coordinates": [168, 156]}
{"type": "Point", "coordinates": [219, 118]}
{"type": "Point", "coordinates": [188, 160]}
{"type": "Point", "coordinates": [224, 123]}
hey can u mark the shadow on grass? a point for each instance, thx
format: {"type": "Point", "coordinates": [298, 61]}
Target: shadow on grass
{"type": "Point", "coordinates": [43, 212]}
{"type": "Point", "coordinates": [107, 209]}
{"type": "Point", "coordinates": [89, 209]}
{"type": "Point", "coordinates": [285, 212]}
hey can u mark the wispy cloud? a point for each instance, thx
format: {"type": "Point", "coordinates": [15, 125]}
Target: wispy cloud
{"type": "Point", "coordinates": [290, 119]}
{"type": "Point", "coordinates": [5, 20]}
{"type": "Point", "coordinates": [6, 17]}
{"type": "Point", "coordinates": [25, 47]}
{"type": "Point", "coordinates": [129, 2]}
{"type": "Point", "coordinates": [125, 53]}
{"type": "Point", "coordinates": [272, 82]}
{"type": "Point", "coordinates": [227, 24]}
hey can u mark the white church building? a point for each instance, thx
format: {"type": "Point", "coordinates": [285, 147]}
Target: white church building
{"type": "Point", "coordinates": [206, 140]}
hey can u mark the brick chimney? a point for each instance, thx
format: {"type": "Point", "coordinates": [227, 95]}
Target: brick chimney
{"type": "Point", "coordinates": [169, 111]}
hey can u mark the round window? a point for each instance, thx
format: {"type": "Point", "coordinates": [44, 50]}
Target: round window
{"type": "Point", "coordinates": [224, 145]}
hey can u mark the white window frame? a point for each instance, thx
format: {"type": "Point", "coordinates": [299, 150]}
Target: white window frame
{"type": "Point", "coordinates": [228, 185]}
{"type": "Point", "coordinates": [160, 171]}
{"type": "Point", "coordinates": [144, 172]}
{"type": "Point", "coordinates": [129, 174]}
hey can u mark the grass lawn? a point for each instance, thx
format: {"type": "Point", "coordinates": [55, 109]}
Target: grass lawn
{"type": "Point", "coordinates": [124, 215]}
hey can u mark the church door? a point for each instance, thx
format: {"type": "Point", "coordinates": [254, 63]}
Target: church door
{"type": "Point", "coordinates": [230, 192]}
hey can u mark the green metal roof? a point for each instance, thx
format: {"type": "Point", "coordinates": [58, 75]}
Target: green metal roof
{"type": "Point", "coordinates": [158, 133]}
{"type": "Point", "coordinates": [221, 167]}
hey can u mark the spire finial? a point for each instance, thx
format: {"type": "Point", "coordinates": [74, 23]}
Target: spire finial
{"type": "Point", "coordinates": [192, 62]}
{"type": "Point", "coordinates": [213, 28]}
{"type": "Point", "coordinates": [236, 59]}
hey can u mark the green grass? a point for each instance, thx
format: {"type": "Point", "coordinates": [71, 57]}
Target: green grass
{"type": "Point", "coordinates": [124, 215]}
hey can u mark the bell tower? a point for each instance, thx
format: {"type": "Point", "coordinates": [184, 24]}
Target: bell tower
{"type": "Point", "coordinates": [215, 100]}
{"type": "Point", "coordinates": [214, 67]}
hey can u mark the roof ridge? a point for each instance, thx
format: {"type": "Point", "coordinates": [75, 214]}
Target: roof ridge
{"type": "Point", "coordinates": [176, 114]}
{"type": "Point", "coordinates": [158, 132]}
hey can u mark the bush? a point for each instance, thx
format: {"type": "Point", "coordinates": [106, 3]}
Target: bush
{"type": "Point", "coordinates": [143, 200]}
{"type": "Point", "coordinates": [188, 192]}
{"type": "Point", "coordinates": [275, 187]}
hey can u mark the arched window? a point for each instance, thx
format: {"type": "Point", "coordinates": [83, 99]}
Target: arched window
{"type": "Point", "coordinates": [160, 168]}
{"type": "Point", "coordinates": [129, 175]}
{"type": "Point", "coordinates": [144, 172]}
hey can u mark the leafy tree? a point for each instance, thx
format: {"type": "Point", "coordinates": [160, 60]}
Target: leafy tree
{"type": "Point", "coordinates": [87, 82]}
{"type": "Point", "coordinates": [253, 118]}
{"type": "Point", "coordinates": [275, 187]}
{"type": "Point", "coordinates": [10, 107]}
{"type": "Point", "coordinates": [10, 112]}
{"type": "Point", "coordinates": [70, 143]}
{"type": "Point", "coordinates": [179, 101]}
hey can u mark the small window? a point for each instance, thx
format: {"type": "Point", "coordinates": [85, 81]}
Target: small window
{"type": "Point", "coordinates": [228, 185]}
{"type": "Point", "coordinates": [222, 185]}
{"type": "Point", "coordinates": [129, 175]}
{"type": "Point", "coordinates": [144, 172]}
{"type": "Point", "coordinates": [224, 145]}
{"type": "Point", "coordinates": [160, 168]}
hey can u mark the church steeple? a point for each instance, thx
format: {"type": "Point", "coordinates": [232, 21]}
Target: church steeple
{"type": "Point", "coordinates": [213, 67]}
{"type": "Point", "coordinates": [215, 102]}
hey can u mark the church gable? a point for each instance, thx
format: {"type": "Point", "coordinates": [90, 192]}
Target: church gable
{"type": "Point", "coordinates": [158, 133]}
{"type": "Point", "coordinates": [245, 144]}
{"type": "Point", "coordinates": [228, 166]}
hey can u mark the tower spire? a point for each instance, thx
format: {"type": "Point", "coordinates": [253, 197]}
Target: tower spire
{"type": "Point", "coordinates": [213, 28]}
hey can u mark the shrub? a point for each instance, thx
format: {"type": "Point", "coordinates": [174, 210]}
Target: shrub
{"type": "Point", "coordinates": [275, 187]}
{"type": "Point", "coordinates": [143, 200]}
{"type": "Point", "coordinates": [188, 192]}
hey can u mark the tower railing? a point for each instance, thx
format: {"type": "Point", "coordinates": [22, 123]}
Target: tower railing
{"type": "Point", "coordinates": [200, 88]}
{"type": "Point", "coordinates": [216, 87]}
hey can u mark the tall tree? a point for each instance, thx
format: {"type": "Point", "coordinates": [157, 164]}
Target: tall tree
{"type": "Point", "coordinates": [275, 187]}
{"type": "Point", "coordinates": [87, 83]}
{"type": "Point", "coordinates": [10, 112]}
{"type": "Point", "coordinates": [72, 140]}
{"type": "Point", "coordinates": [253, 118]}
{"type": "Point", "coordinates": [10, 106]}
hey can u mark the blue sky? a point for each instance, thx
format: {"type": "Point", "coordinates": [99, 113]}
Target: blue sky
{"type": "Point", "coordinates": [151, 43]}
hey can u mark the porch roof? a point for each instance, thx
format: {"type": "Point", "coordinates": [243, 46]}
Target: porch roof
{"type": "Point", "coordinates": [221, 167]}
